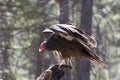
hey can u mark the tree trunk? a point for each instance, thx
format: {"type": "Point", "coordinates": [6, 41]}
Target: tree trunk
{"type": "Point", "coordinates": [83, 66]}
{"type": "Point", "coordinates": [64, 18]}
{"type": "Point", "coordinates": [39, 60]}
{"type": "Point", "coordinates": [86, 16]}
{"type": "Point", "coordinates": [5, 38]}
{"type": "Point", "coordinates": [64, 11]}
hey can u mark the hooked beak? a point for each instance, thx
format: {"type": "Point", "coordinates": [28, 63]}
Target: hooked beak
{"type": "Point", "coordinates": [42, 46]}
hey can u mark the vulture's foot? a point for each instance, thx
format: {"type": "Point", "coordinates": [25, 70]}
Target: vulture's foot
{"type": "Point", "coordinates": [65, 67]}
{"type": "Point", "coordinates": [66, 62]}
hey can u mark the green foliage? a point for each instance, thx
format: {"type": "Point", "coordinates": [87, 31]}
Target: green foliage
{"type": "Point", "coordinates": [106, 16]}
{"type": "Point", "coordinates": [21, 22]}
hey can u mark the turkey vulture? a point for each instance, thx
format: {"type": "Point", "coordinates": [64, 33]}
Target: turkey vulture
{"type": "Point", "coordinates": [69, 41]}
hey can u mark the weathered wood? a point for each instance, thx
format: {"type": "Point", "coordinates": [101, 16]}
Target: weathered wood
{"type": "Point", "coordinates": [55, 72]}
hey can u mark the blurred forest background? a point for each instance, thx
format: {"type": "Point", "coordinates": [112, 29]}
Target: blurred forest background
{"type": "Point", "coordinates": [21, 23]}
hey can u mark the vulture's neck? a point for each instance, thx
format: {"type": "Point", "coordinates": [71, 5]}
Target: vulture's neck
{"type": "Point", "coordinates": [52, 42]}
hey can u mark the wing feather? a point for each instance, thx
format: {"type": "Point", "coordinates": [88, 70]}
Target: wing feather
{"type": "Point", "coordinates": [70, 32]}
{"type": "Point", "coordinates": [91, 40]}
{"type": "Point", "coordinates": [63, 33]}
{"type": "Point", "coordinates": [92, 55]}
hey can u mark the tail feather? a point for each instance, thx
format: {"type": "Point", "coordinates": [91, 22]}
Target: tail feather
{"type": "Point", "coordinates": [98, 62]}
{"type": "Point", "coordinates": [91, 54]}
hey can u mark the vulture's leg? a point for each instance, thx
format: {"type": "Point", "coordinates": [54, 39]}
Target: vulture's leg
{"type": "Point", "coordinates": [68, 61]}
{"type": "Point", "coordinates": [58, 56]}
{"type": "Point", "coordinates": [61, 60]}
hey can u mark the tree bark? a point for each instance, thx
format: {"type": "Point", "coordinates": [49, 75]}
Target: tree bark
{"type": "Point", "coordinates": [83, 66]}
{"type": "Point", "coordinates": [64, 18]}
{"type": "Point", "coordinates": [39, 60]}
{"type": "Point", "coordinates": [64, 11]}
{"type": "Point", "coordinates": [86, 16]}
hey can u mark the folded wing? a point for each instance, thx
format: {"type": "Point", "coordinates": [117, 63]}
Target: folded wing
{"type": "Point", "coordinates": [70, 32]}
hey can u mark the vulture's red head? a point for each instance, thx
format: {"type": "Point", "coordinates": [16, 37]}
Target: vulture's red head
{"type": "Point", "coordinates": [42, 46]}
{"type": "Point", "coordinates": [46, 33]}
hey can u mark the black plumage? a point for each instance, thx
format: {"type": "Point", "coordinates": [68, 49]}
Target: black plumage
{"type": "Point", "coordinates": [70, 41]}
